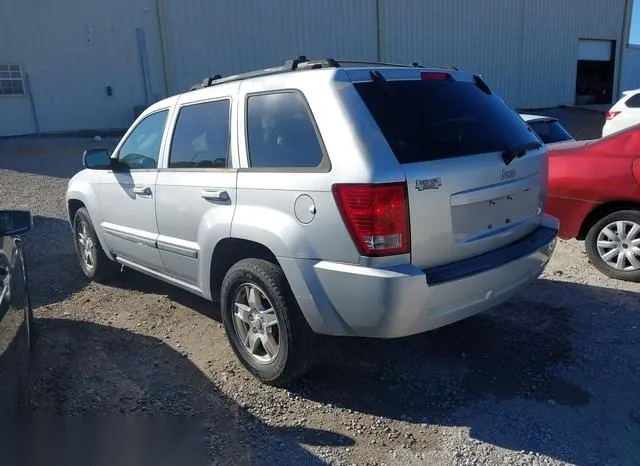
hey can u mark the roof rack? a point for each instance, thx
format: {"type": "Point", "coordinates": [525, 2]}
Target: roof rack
{"type": "Point", "coordinates": [365, 62]}
{"type": "Point", "coordinates": [297, 64]}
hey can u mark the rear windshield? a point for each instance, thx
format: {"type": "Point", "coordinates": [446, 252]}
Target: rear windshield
{"type": "Point", "coordinates": [550, 131]}
{"type": "Point", "coordinates": [434, 119]}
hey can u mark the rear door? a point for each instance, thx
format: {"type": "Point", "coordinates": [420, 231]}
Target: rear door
{"type": "Point", "coordinates": [454, 139]}
{"type": "Point", "coordinates": [196, 189]}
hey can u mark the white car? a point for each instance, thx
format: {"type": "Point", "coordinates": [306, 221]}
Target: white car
{"type": "Point", "coordinates": [548, 129]}
{"type": "Point", "coordinates": [624, 114]}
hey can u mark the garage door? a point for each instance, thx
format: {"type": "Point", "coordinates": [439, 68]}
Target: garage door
{"type": "Point", "coordinates": [594, 50]}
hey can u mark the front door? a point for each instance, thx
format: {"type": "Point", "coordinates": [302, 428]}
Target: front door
{"type": "Point", "coordinates": [196, 193]}
{"type": "Point", "coordinates": [127, 195]}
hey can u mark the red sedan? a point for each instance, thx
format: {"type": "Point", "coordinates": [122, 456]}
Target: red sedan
{"type": "Point", "coordinates": [594, 189]}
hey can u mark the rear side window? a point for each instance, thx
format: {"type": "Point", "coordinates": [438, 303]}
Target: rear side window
{"type": "Point", "coordinates": [281, 132]}
{"type": "Point", "coordinates": [433, 119]}
{"type": "Point", "coordinates": [633, 101]}
{"type": "Point", "coordinates": [550, 131]}
{"type": "Point", "coordinates": [201, 136]}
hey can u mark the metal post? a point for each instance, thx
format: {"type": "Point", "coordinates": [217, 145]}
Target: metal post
{"type": "Point", "coordinates": [624, 44]}
{"type": "Point", "coordinates": [379, 41]}
{"type": "Point", "coordinates": [144, 62]}
{"type": "Point", "coordinates": [165, 45]}
{"type": "Point", "coordinates": [27, 83]}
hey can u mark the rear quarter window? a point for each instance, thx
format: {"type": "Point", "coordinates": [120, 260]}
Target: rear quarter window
{"type": "Point", "coordinates": [281, 132]}
{"type": "Point", "coordinates": [435, 119]}
{"type": "Point", "coordinates": [633, 101]}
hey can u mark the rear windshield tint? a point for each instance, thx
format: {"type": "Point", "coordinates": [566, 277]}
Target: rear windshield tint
{"type": "Point", "coordinates": [431, 119]}
{"type": "Point", "coordinates": [550, 131]}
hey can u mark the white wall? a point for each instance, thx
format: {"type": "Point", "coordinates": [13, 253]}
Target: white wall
{"type": "Point", "coordinates": [73, 49]}
{"type": "Point", "coordinates": [526, 49]}
{"type": "Point", "coordinates": [233, 36]}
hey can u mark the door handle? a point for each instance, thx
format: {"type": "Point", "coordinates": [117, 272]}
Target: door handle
{"type": "Point", "coordinates": [142, 191]}
{"type": "Point", "coordinates": [214, 195]}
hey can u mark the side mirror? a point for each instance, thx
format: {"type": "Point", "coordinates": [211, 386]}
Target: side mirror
{"type": "Point", "coordinates": [97, 159]}
{"type": "Point", "coordinates": [14, 222]}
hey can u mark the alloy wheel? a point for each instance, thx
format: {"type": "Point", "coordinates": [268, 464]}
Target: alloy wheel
{"type": "Point", "coordinates": [256, 323]}
{"type": "Point", "coordinates": [618, 245]}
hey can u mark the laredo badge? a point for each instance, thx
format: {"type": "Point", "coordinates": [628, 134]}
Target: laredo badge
{"type": "Point", "coordinates": [430, 183]}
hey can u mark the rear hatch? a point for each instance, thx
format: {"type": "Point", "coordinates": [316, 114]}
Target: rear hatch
{"type": "Point", "coordinates": [476, 173]}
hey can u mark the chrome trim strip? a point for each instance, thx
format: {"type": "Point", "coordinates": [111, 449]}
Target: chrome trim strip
{"type": "Point", "coordinates": [130, 237]}
{"type": "Point", "coordinates": [174, 248]}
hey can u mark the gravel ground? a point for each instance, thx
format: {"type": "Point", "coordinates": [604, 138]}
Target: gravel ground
{"type": "Point", "coordinates": [551, 377]}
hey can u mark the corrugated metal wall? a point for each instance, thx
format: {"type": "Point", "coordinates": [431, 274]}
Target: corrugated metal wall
{"type": "Point", "coordinates": [527, 50]}
{"type": "Point", "coordinates": [72, 50]}
{"type": "Point", "coordinates": [631, 71]}
{"type": "Point", "coordinates": [232, 36]}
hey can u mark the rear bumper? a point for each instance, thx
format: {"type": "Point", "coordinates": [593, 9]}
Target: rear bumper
{"type": "Point", "coordinates": [403, 300]}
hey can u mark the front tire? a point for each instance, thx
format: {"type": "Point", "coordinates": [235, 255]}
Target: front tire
{"type": "Point", "coordinates": [264, 325]}
{"type": "Point", "coordinates": [94, 262]}
{"type": "Point", "coordinates": [613, 245]}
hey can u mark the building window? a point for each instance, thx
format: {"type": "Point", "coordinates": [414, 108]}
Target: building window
{"type": "Point", "coordinates": [11, 80]}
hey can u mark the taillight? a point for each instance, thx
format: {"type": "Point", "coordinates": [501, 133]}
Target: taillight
{"type": "Point", "coordinates": [635, 169]}
{"type": "Point", "coordinates": [435, 76]}
{"type": "Point", "coordinates": [376, 215]}
{"type": "Point", "coordinates": [611, 114]}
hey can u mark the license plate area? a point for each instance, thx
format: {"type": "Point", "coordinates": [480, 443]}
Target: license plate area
{"type": "Point", "coordinates": [488, 217]}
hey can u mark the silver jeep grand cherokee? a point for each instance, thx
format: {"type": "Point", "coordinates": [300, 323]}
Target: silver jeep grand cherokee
{"type": "Point", "coordinates": [351, 199]}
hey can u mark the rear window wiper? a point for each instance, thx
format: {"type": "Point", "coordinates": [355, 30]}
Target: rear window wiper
{"type": "Point", "coordinates": [381, 83]}
{"type": "Point", "coordinates": [518, 151]}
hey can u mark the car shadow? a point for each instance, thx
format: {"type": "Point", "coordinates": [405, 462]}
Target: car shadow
{"type": "Point", "coordinates": [517, 377]}
{"type": "Point", "coordinates": [108, 391]}
{"type": "Point", "coordinates": [524, 376]}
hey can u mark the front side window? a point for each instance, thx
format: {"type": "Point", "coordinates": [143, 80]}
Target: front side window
{"type": "Point", "coordinates": [142, 147]}
{"type": "Point", "coordinates": [281, 133]}
{"type": "Point", "coordinates": [201, 136]}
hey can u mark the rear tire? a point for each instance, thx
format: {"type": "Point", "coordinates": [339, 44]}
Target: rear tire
{"type": "Point", "coordinates": [613, 245]}
{"type": "Point", "coordinates": [94, 262]}
{"type": "Point", "coordinates": [257, 306]}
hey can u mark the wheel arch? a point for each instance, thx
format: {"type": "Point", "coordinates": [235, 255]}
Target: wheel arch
{"type": "Point", "coordinates": [601, 211]}
{"type": "Point", "coordinates": [73, 205]}
{"type": "Point", "coordinates": [76, 201]}
{"type": "Point", "coordinates": [229, 251]}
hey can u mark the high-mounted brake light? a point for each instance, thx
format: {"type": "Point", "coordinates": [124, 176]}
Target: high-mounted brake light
{"type": "Point", "coordinates": [376, 215]}
{"type": "Point", "coordinates": [611, 114]}
{"type": "Point", "coordinates": [435, 76]}
{"type": "Point", "coordinates": [635, 169]}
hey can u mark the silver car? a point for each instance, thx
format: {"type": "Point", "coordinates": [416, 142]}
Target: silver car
{"type": "Point", "coordinates": [322, 198]}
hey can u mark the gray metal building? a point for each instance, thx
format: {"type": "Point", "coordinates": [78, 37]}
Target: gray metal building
{"type": "Point", "coordinates": [90, 65]}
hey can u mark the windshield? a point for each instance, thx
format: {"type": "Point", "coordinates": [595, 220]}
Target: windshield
{"type": "Point", "coordinates": [550, 131]}
{"type": "Point", "coordinates": [434, 119]}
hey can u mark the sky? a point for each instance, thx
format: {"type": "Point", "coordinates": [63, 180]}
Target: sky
{"type": "Point", "coordinates": [635, 23]}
